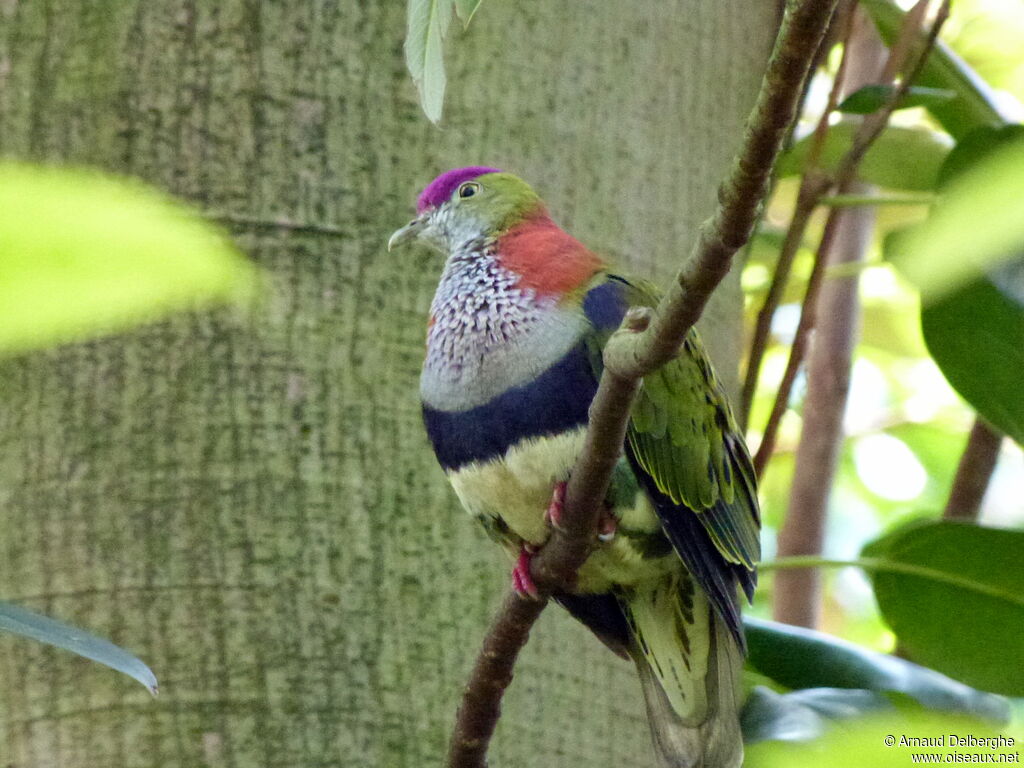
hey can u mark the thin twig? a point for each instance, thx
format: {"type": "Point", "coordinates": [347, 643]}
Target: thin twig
{"type": "Point", "coordinates": [869, 130]}
{"type": "Point", "coordinates": [647, 340]}
{"type": "Point", "coordinates": [851, 201]}
{"type": "Point", "coordinates": [901, 48]}
{"type": "Point", "coordinates": [287, 225]}
{"type": "Point", "coordinates": [973, 473]}
{"type": "Point", "coordinates": [813, 184]}
{"type": "Point", "coordinates": [799, 346]}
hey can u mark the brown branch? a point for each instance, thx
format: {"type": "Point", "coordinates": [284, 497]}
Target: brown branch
{"type": "Point", "coordinates": [797, 592]}
{"type": "Point", "coordinates": [799, 346]}
{"type": "Point", "coordinates": [901, 49]}
{"type": "Point", "coordinates": [869, 130]}
{"type": "Point", "coordinates": [813, 185]}
{"type": "Point", "coordinates": [647, 340]}
{"type": "Point", "coordinates": [973, 473]}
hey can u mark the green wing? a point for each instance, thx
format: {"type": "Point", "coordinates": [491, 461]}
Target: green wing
{"type": "Point", "coordinates": [683, 435]}
{"type": "Point", "coordinates": [684, 441]}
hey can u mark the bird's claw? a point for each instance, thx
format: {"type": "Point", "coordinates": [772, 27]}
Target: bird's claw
{"type": "Point", "coordinates": [607, 526]}
{"type": "Point", "coordinates": [553, 515]}
{"type": "Point", "coordinates": [522, 581]}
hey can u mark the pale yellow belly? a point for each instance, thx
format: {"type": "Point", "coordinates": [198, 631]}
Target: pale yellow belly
{"type": "Point", "coordinates": [516, 489]}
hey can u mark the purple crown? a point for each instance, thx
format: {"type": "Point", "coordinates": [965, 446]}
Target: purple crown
{"type": "Point", "coordinates": [441, 188]}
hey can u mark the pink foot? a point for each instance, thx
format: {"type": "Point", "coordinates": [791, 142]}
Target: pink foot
{"type": "Point", "coordinates": [522, 581]}
{"type": "Point", "coordinates": [553, 516]}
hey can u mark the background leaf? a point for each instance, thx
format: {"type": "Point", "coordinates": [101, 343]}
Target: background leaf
{"type": "Point", "coordinates": [802, 658]}
{"type": "Point", "coordinates": [428, 22]}
{"type": "Point", "coordinates": [901, 158]}
{"type": "Point", "coordinates": [975, 147]}
{"type": "Point", "coordinates": [465, 9]}
{"type": "Point", "coordinates": [52, 632]}
{"type": "Point", "coordinates": [976, 336]}
{"type": "Point", "coordinates": [82, 253]}
{"type": "Point", "coordinates": [970, 635]}
{"type": "Point", "coordinates": [975, 105]}
{"type": "Point", "coordinates": [976, 224]}
{"type": "Point", "coordinates": [972, 321]}
{"type": "Point", "coordinates": [872, 97]}
{"type": "Point", "coordinates": [802, 715]}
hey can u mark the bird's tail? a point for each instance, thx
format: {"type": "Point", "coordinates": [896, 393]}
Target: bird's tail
{"type": "Point", "coordinates": [689, 668]}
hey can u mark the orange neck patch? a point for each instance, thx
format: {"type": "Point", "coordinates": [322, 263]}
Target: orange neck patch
{"type": "Point", "coordinates": [547, 258]}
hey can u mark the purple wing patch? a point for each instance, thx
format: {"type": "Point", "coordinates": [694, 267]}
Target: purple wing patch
{"type": "Point", "coordinates": [441, 188]}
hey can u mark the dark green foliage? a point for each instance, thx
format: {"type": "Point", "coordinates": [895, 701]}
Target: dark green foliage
{"type": "Point", "coordinates": [872, 97]}
{"type": "Point", "coordinates": [802, 715]}
{"type": "Point", "coordinates": [798, 658]}
{"type": "Point", "coordinates": [976, 335]}
{"type": "Point", "coordinates": [970, 626]}
{"type": "Point", "coordinates": [975, 104]}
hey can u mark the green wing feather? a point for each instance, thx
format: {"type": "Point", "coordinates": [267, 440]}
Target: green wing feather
{"type": "Point", "coordinates": [683, 434]}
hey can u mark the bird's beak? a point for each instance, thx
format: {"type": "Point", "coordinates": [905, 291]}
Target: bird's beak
{"type": "Point", "coordinates": [409, 232]}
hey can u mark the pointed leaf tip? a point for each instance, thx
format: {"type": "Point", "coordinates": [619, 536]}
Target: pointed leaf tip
{"type": "Point", "coordinates": [19, 621]}
{"type": "Point", "coordinates": [465, 9]}
{"type": "Point", "coordinates": [428, 22]}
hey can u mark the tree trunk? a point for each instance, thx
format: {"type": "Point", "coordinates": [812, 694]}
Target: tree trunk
{"type": "Point", "coordinates": [798, 592]}
{"type": "Point", "coordinates": [247, 499]}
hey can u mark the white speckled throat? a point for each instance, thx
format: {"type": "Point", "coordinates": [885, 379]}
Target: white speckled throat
{"type": "Point", "coordinates": [489, 335]}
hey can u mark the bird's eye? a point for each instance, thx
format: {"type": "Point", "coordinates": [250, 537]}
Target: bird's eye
{"type": "Point", "coordinates": [469, 189]}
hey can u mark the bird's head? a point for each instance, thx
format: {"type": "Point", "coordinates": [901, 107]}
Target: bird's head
{"type": "Point", "coordinates": [467, 204]}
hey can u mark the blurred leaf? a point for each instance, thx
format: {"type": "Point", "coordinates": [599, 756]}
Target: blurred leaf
{"type": "Point", "coordinates": [976, 146]}
{"type": "Point", "coordinates": [465, 9]}
{"type": "Point", "coordinates": [972, 321]}
{"type": "Point", "coordinates": [976, 336]}
{"type": "Point", "coordinates": [802, 658]}
{"type": "Point", "coordinates": [866, 742]}
{"type": "Point", "coordinates": [802, 715]}
{"type": "Point", "coordinates": [976, 224]}
{"type": "Point", "coordinates": [82, 253]}
{"type": "Point", "coordinates": [52, 632]}
{"type": "Point", "coordinates": [975, 103]}
{"type": "Point", "coordinates": [901, 158]}
{"type": "Point", "coordinates": [428, 22]}
{"type": "Point", "coordinates": [972, 630]}
{"type": "Point", "coordinates": [873, 97]}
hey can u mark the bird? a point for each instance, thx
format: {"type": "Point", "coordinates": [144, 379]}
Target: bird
{"type": "Point", "coordinates": [514, 345]}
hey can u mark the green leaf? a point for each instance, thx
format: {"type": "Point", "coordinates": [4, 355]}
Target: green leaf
{"type": "Point", "coordinates": [866, 742]}
{"type": "Point", "coordinates": [901, 158]}
{"type": "Point", "coordinates": [975, 147]}
{"type": "Point", "coordinates": [52, 632]}
{"type": "Point", "coordinates": [428, 22]}
{"type": "Point", "coordinates": [976, 336]}
{"type": "Point", "coordinates": [465, 9]}
{"type": "Point", "coordinates": [972, 321]}
{"type": "Point", "coordinates": [971, 629]}
{"type": "Point", "coordinates": [975, 103]}
{"type": "Point", "coordinates": [802, 658]}
{"type": "Point", "coordinates": [802, 715]}
{"type": "Point", "coordinates": [976, 224]}
{"type": "Point", "coordinates": [82, 253]}
{"type": "Point", "coordinates": [873, 97]}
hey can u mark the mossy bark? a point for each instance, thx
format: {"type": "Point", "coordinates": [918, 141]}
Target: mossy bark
{"type": "Point", "coordinates": [246, 499]}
